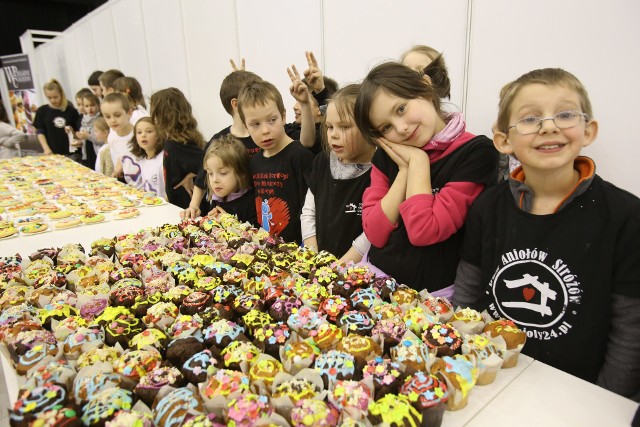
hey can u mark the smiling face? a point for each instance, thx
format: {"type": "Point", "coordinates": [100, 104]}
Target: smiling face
{"type": "Point", "coordinates": [551, 148]}
{"type": "Point", "coordinates": [344, 138]}
{"type": "Point", "coordinates": [222, 179]}
{"type": "Point", "coordinates": [116, 116]}
{"type": "Point", "coordinates": [147, 137]}
{"type": "Point", "coordinates": [266, 127]}
{"type": "Point", "coordinates": [54, 98]}
{"type": "Point", "coordinates": [410, 122]}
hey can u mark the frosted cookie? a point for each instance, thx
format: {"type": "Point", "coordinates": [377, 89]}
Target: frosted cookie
{"type": "Point", "coordinates": [34, 228]}
{"type": "Point", "coordinates": [68, 223]}
{"type": "Point", "coordinates": [92, 218]}
{"type": "Point", "coordinates": [128, 213]}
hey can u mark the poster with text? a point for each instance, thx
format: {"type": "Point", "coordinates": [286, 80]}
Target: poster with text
{"type": "Point", "coordinates": [21, 91]}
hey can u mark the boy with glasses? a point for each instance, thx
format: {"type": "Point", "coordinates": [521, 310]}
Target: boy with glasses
{"type": "Point", "coordinates": [556, 248]}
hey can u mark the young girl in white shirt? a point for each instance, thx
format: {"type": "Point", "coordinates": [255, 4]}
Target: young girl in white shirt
{"type": "Point", "coordinates": [143, 166]}
{"type": "Point", "coordinates": [130, 87]}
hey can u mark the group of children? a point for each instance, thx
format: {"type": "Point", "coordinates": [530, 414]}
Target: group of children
{"type": "Point", "coordinates": [399, 181]}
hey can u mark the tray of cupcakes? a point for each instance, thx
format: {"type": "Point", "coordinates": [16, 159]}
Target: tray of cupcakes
{"type": "Point", "coordinates": [212, 322]}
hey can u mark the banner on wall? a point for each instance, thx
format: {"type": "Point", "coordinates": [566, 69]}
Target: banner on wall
{"type": "Point", "coordinates": [20, 96]}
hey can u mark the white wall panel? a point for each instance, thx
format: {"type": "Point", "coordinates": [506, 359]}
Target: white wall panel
{"type": "Point", "coordinates": [75, 75]}
{"type": "Point", "coordinates": [274, 35]}
{"type": "Point", "coordinates": [165, 44]}
{"type": "Point", "coordinates": [589, 39]}
{"type": "Point", "coordinates": [87, 53]}
{"type": "Point", "coordinates": [130, 38]}
{"type": "Point", "coordinates": [210, 41]}
{"type": "Point", "coordinates": [104, 40]}
{"type": "Point", "coordinates": [359, 34]}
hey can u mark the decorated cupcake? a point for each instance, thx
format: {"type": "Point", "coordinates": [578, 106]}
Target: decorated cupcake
{"type": "Point", "coordinates": [387, 375]}
{"type": "Point", "coordinates": [429, 396]}
{"type": "Point", "coordinates": [174, 407]}
{"type": "Point", "coordinates": [335, 365]}
{"type": "Point", "coordinates": [394, 410]}
{"type": "Point", "coordinates": [442, 339]}
{"type": "Point", "coordinates": [488, 355]}
{"type": "Point", "coordinates": [199, 367]}
{"type": "Point", "coordinates": [512, 336]}
{"type": "Point", "coordinates": [460, 375]}
{"type": "Point", "coordinates": [314, 413]}
{"type": "Point", "coordinates": [154, 380]}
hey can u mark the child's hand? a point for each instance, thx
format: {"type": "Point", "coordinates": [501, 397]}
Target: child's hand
{"type": "Point", "coordinates": [82, 135]}
{"type": "Point", "coordinates": [313, 74]}
{"type": "Point", "coordinates": [118, 172]}
{"type": "Point", "coordinates": [299, 90]}
{"type": "Point", "coordinates": [77, 143]}
{"type": "Point", "coordinates": [190, 213]}
{"type": "Point", "coordinates": [217, 211]}
{"type": "Point", "coordinates": [68, 129]}
{"type": "Point", "coordinates": [400, 154]}
{"type": "Point", "coordinates": [187, 183]}
{"type": "Point", "coordinates": [235, 67]}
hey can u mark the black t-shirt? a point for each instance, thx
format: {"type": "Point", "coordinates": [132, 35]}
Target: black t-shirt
{"type": "Point", "coordinates": [251, 147]}
{"type": "Point", "coordinates": [554, 275]}
{"type": "Point", "coordinates": [51, 122]}
{"type": "Point", "coordinates": [281, 185]}
{"type": "Point", "coordinates": [293, 131]}
{"type": "Point", "coordinates": [179, 160]}
{"type": "Point", "coordinates": [244, 207]}
{"type": "Point", "coordinates": [434, 267]}
{"type": "Point", "coordinates": [338, 206]}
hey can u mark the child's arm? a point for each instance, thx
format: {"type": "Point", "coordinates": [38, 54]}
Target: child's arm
{"type": "Point", "coordinates": [187, 183]}
{"type": "Point", "coordinates": [357, 250]}
{"type": "Point", "coordinates": [308, 222]}
{"type": "Point", "coordinates": [300, 93]}
{"type": "Point", "coordinates": [193, 210]}
{"type": "Point", "coordinates": [623, 349]}
{"type": "Point", "coordinates": [42, 139]}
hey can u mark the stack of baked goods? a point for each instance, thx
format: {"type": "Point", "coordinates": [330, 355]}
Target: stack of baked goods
{"type": "Point", "coordinates": [213, 322]}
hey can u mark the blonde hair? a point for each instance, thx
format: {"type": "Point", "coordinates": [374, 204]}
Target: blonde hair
{"type": "Point", "coordinates": [118, 98]}
{"type": "Point", "coordinates": [172, 115]}
{"type": "Point", "coordinates": [543, 76]}
{"type": "Point", "coordinates": [101, 124]}
{"type": "Point", "coordinates": [344, 100]}
{"type": "Point", "coordinates": [232, 154]}
{"type": "Point", "coordinates": [135, 148]}
{"type": "Point", "coordinates": [428, 51]}
{"type": "Point", "coordinates": [53, 84]}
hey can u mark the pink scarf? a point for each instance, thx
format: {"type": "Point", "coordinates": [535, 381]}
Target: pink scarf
{"type": "Point", "coordinates": [441, 141]}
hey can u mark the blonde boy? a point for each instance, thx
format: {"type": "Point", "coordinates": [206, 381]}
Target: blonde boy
{"type": "Point", "coordinates": [556, 249]}
{"type": "Point", "coordinates": [279, 170]}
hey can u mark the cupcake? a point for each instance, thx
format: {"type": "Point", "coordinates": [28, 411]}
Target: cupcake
{"type": "Point", "coordinates": [327, 336]}
{"type": "Point", "coordinates": [283, 307]}
{"type": "Point", "coordinates": [305, 321]}
{"type": "Point", "coordinates": [362, 348]}
{"type": "Point", "coordinates": [358, 322]}
{"type": "Point", "coordinates": [390, 332]}
{"type": "Point", "coordinates": [467, 321]}
{"type": "Point", "coordinates": [416, 319]}
{"type": "Point", "coordinates": [442, 339]}
{"type": "Point", "coordinates": [364, 299]}
{"type": "Point", "coordinates": [173, 408]}
{"type": "Point", "coordinates": [58, 416]}
{"type": "Point", "coordinates": [512, 336]}
{"type": "Point", "coordinates": [122, 329]}
{"type": "Point", "coordinates": [181, 349]}
{"type": "Point", "coordinates": [334, 306]}
{"type": "Point", "coordinates": [149, 338]}
{"type": "Point", "coordinates": [352, 398]}
{"type": "Point", "coordinates": [314, 413]}
{"type": "Point", "coordinates": [199, 367]}
{"type": "Point", "coordinates": [440, 307]}
{"type": "Point", "coordinates": [221, 333]}
{"type": "Point", "coordinates": [248, 410]}
{"type": "Point", "coordinates": [91, 380]}
{"type": "Point", "coordinates": [135, 364]}
{"type": "Point", "coordinates": [384, 286]}
{"type": "Point", "coordinates": [429, 396]}
{"type": "Point", "coordinates": [97, 355]}
{"type": "Point", "coordinates": [412, 355]}
{"type": "Point", "coordinates": [33, 401]}
{"type": "Point", "coordinates": [126, 418]}
{"type": "Point", "coordinates": [238, 352]}
{"type": "Point", "coordinates": [223, 385]}
{"type": "Point", "coordinates": [394, 410]}
{"type": "Point", "coordinates": [335, 365]}
{"type": "Point", "coordinates": [297, 355]}
{"type": "Point", "coordinates": [154, 380]}
{"type": "Point", "coordinates": [460, 375]}
{"type": "Point", "coordinates": [262, 373]}
{"type": "Point", "coordinates": [488, 356]}
{"type": "Point", "coordinates": [271, 337]}
{"type": "Point", "coordinates": [387, 375]}
{"type": "Point", "coordinates": [296, 389]}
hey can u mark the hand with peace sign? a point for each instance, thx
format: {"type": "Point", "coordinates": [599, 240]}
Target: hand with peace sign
{"type": "Point", "coordinates": [235, 67]}
{"type": "Point", "coordinates": [313, 74]}
{"type": "Point", "coordinates": [298, 89]}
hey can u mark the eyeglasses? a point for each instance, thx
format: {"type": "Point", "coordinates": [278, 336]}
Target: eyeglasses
{"type": "Point", "coordinates": [533, 124]}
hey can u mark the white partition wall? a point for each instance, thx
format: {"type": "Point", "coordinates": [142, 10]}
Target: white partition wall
{"type": "Point", "coordinates": [360, 34]}
{"type": "Point", "coordinates": [486, 43]}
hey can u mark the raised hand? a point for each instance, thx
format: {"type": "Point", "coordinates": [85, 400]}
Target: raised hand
{"type": "Point", "coordinates": [313, 74]}
{"type": "Point", "coordinates": [235, 67]}
{"type": "Point", "coordinates": [298, 89]}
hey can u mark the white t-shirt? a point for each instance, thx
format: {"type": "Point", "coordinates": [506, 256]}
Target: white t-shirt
{"type": "Point", "coordinates": [119, 145]}
{"type": "Point", "coordinates": [137, 114]}
{"type": "Point", "coordinates": [145, 174]}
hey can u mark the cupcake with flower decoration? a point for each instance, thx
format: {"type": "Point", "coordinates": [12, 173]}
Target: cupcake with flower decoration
{"type": "Point", "coordinates": [314, 413]}
{"type": "Point", "coordinates": [442, 339]}
{"type": "Point", "coordinates": [460, 374]}
{"type": "Point", "coordinates": [387, 375]}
